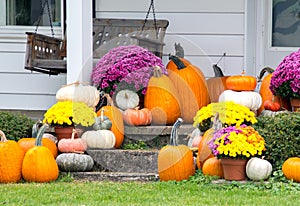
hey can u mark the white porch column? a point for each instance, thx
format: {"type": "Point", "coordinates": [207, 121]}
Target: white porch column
{"type": "Point", "coordinates": [79, 40]}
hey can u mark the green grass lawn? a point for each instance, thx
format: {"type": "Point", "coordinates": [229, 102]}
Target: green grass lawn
{"type": "Point", "coordinates": [197, 191]}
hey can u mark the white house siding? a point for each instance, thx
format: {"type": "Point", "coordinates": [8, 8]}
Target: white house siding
{"type": "Point", "coordinates": [206, 29]}
{"type": "Point", "coordinates": [21, 89]}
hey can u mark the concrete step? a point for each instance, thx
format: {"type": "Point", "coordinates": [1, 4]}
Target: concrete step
{"type": "Point", "coordinates": [126, 161]}
{"type": "Point", "coordinates": [113, 176]}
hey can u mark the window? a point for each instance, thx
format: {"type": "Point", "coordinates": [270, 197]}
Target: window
{"type": "Point", "coordinates": [27, 12]}
{"type": "Point", "coordinates": [286, 23]}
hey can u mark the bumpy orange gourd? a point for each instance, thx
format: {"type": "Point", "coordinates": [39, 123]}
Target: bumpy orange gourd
{"type": "Point", "coordinates": [11, 158]}
{"type": "Point", "coordinates": [217, 84]}
{"type": "Point", "coordinates": [175, 162]}
{"type": "Point", "coordinates": [72, 145]}
{"type": "Point", "coordinates": [116, 117]}
{"type": "Point", "coordinates": [137, 117]}
{"type": "Point", "coordinates": [241, 82]}
{"type": "Point", "coordinates": [291, 169]}
{"type": "Point", "coordinates": [213, 167]}
{"type": "Point", "coordinates": [265, 91]}
{"type": "Point", "coordinates": [191, 87]}
{"type": "Point", "coordinates": [39, 164]}
{"type": "Point", "coordinates": [162, 99]}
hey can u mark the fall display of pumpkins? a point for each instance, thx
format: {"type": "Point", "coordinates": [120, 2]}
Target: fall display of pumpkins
{"type": "Point", "coordinates": [170, 100]}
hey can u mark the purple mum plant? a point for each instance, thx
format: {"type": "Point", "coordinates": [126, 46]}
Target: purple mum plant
{"type": "Point", "coordinates": [285, 81]}
{"type": "Point", "coordinates": [125, 67]}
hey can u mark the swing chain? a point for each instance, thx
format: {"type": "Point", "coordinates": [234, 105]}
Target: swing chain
{"type": "Point", "coordinates": [46, 3]}
{"type": "Point", "coordinates": [154, 17]}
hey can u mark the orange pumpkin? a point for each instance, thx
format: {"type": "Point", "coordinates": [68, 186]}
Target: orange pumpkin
{"type": "Point", "coordinates": [265, 91]}
{"type": "Point", "coordinates": [191, 86]}
{"type": "Point", "coordinates": [217, 84]}
{"type": "Point", "coordinates": [162, 99]}
{"type": "Point", "coordinates": [213, 167]}
{"type": "Point", "coordinates": [175, 162]}
{"type": "Point", "coordinates": [241, 82]}
{"type": "Point", "coordinates": [291, 168]}
{"type": "Point", "coordinates": [136, 116]}
{"type": "Point", "coordinates": [28, 143]}
{"type": "Point", "coordinates": [11, 158]}
{"type": "Point", "coordinates": [115, 115]}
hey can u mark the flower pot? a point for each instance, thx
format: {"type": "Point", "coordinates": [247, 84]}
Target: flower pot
{"type": "Point", "coordinates": [234, 169]}
{"type": "Point", "coordinates": [295, 103]}
{"type": "Point", "coordinates": [64, 132]}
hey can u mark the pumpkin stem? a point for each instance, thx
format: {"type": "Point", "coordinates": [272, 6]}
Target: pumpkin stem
{"type": "Point", "coordinates": [38, 141]}
{"type": "Point", "coordinates": [216, 124]}
{"type": "Point", "coordinates": [35, 128]}
{"type": "Point", "coordinates": [73, 134]}
{"type": "Point", "coordinates": [217, 70]}
{"type": "Point", "coordinates": [102, 114]}
{"type": "Point", "coordinates": [110, 102]}
{"type": "Point", "coordinates": [263, 71]}
{"type": "Point", "coordinates": [177, 62]}
{"type": "Point", "coordinates": [3, 137]}
{"type": "Point", "coordinates": [174, 132]}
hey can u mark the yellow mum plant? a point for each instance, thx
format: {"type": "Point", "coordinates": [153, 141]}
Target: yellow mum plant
{"type": "Point", "coordinates": [70, 113]}
{"type": "Point", "coordinates": [230, 114]}
{"type": "Point", "coordinates": [237, 142]}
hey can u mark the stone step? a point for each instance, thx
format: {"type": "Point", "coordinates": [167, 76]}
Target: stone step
{"type": "Point", "coordinates": [113, 176]}
{"type": "Point", "coordinates": [128, 161]}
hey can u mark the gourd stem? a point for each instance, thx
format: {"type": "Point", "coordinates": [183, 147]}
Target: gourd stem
{"type": "Point", "coordinates": [38, 141]}
{"type": "Point", "coordinates": [73, 134]}
{"type": "Point", "coordinates": [110, 102]}
{"type": "Point", "coordinates": [174, 132]}
{"type": "Point", "coordinates": [263, 71]}
{"type": "Point", "coordinates": [3, 137]}
{"type": "Point", "coordinates": [177, 62]}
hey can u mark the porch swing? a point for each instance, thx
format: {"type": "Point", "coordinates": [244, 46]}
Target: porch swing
{"type": "Point", "coordinates": [46, 54]}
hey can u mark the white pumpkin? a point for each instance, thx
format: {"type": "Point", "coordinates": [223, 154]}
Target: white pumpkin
{"type": "Point", "coordinates": [258, 169]}
{"type": "Point", "coordinates": [270, 113]}
{"type": "Point", "coordinates": [127, 99]}
{"type": "Point", "coordinates": [100, 139]}
{"type": "Point", "coordinates": [78, 92]}
{"type": "Point", "coordinates": [250, 99]}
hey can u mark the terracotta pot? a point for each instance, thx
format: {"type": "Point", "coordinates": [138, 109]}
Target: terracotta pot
{"type": "Point", "coordinates": [234, 169]}
{"type": "Point", "coordinates": [64, 132]}
{"type": "Point", "coordinates": [295, 103]}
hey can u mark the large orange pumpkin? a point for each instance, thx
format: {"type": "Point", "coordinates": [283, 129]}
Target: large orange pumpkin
{"type": "Point", "coordinates": [265, 91]}
{"type": "Point", "coordinates": [162, 99]}
{"type": "Point", "coordinates": [175, 162]}
{"type": "Point", "coordinates": [191, 86]}
{"type": "Point", "coordinates": [116, 117]}
{"type": "Point", "coordinates": [11, 158]}
{"type": "Point", "coordinates": [241, 82]}
{"type": "Point", "coordinates": [217, 84]}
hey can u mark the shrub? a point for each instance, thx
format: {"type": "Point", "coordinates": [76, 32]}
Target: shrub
{"type": "Point", "coordinates": [282, 136]}
{"type": "Point", "coordinates": [15, 125]}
